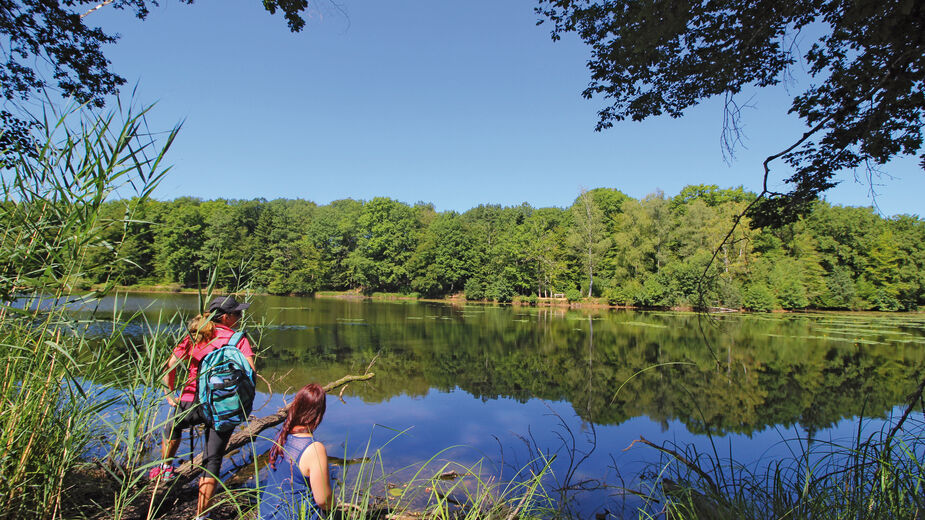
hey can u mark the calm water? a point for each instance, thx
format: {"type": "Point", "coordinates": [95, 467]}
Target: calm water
{"type": "Point", "coordinates": [499, 383]}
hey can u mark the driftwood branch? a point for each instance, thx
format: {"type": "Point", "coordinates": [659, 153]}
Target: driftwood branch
{"type": "Point", "coordinates": [161, 492]}
{"type": "Point", "coordinates": [188, 470]}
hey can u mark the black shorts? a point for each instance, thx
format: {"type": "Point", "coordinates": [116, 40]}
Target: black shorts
{"type": "Point", "coordinates": [188, 414]}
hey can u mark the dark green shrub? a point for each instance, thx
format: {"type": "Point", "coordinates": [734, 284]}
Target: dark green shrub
{"type": "Point", "coordinates": [279, 286]}
{"type": "Point", "coordinates": [501, 291]}
{"type": "Point", "coordinates": [730, 294]}
{"type": "Point", "coordinates": [474, 289]}
{"type": "Point", "coordinates": [573, 295]}
{"type": "Point", "coordinates": [656, 292]}
{"type": "Point", "coordinates": [885, 300]}
{"type": "Point", "coordinates": [792, 294]}
{"type": "Point", "coordinates": [758, 297]}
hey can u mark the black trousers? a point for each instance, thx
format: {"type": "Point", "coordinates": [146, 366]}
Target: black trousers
{"type": "Point", "coordinates": [188, 414]}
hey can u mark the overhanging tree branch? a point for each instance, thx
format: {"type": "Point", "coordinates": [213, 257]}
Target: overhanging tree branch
{"type": "Point", "coordinates": [766, 165]}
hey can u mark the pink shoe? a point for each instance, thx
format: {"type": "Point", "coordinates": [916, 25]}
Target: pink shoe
{"type": "Point", "coordinates": [163, 471]}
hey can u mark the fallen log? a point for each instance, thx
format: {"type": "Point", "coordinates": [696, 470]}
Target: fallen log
{"type": "Point", "coordinates": [159, 493]}
{"type": "Point", "coordinates": [188, 469]}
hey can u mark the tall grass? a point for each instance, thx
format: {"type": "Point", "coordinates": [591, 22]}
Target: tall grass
{"type": "Point", "coordinates": [436, 489]}
{"type": "Point", "coordinates": [50, 399]}
{"type": "Point", "coordinates": [874, 476]}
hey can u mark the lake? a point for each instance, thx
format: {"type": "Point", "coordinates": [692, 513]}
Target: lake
{"type": "Point", "coordinates": [500, 385]}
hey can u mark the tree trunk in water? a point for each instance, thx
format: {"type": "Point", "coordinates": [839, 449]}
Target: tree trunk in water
{"type": "Point", "coordinates": [188, 470]}
{"type": "Point", "coordinates": [590, 272]}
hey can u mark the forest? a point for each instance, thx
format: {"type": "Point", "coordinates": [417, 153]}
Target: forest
{"type": "Point", "coordinates": [657, 251]}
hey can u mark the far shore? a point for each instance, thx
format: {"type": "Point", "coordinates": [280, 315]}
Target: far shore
{"type": "Point", "coordinates": [460, 299]}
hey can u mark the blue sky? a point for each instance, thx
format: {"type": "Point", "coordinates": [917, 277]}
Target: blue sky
{"type": "Point", "coordinates": [454, 103]}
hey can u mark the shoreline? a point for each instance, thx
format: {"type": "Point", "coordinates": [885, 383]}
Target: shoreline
{"type": "Point", "coordinates": [459, 299]}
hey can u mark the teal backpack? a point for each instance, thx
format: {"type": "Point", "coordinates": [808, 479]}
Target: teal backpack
{"type": "Point", "coordinates": [227, 385]}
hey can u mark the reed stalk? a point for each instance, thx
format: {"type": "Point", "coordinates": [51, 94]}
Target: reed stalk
{"type": "Point", "coordinates": [875, 476]}
{"type": "Point", "coordinates": [57, 382]}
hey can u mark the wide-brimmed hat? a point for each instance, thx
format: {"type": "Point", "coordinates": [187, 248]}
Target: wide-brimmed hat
{"type": "Point", "coordinates": [227, 305]}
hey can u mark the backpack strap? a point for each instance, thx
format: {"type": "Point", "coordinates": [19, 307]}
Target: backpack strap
{"type": "Point", "coordinates": [233, 342]}
{"type": "Point", "coordinates": [235, 339]}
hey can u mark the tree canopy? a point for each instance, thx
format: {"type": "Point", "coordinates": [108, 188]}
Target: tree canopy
{"type": "Point", "coordinates": [646, 252]}
{"type": "Point", "coordinates": [867, 62]}
{"type": "Point", "coordinates": [47, 44]}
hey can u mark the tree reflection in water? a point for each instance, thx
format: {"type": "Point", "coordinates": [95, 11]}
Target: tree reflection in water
{"type": "Point", "coordinates": [584, 383]}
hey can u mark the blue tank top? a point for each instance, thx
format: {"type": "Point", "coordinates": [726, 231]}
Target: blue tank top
{"type": "Point", "coordinates": [286, 492]}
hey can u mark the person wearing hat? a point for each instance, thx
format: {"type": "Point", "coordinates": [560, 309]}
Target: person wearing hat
{"type": "Point", "coordinates": [207, 332]}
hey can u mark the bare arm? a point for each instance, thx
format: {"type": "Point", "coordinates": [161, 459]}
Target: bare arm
{"type": "Point", "coordinates": [314, 464]}
{"type": "Point", "coordinates": [248, 350]}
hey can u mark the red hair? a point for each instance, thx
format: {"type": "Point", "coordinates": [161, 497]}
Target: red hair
{"type": "Point", "coordinates": [306, 410]}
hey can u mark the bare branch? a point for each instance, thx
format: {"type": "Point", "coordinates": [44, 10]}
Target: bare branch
{"type": "Point", "coordinates": [98, 7]}
{"type": "Point", "coordinates": [680, 458]}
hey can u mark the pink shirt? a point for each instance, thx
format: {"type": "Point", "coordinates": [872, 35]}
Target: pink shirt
{"type": "Point", "coordinates": [197, 352]}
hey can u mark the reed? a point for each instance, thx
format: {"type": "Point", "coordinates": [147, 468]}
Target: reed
{"type": "Point", "coordinates": [56, 385]}
{"type": "Point", "coordinates": [877, 475]}
{"type": "Point", "coordinates": [436, 488]}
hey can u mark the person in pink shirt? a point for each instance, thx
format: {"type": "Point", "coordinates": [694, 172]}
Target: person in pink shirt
{"type": "Point", "coordinates": [207, 332]}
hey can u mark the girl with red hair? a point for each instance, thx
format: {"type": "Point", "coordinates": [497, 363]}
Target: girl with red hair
{"type": "Point", "coordinates": [297, 483]}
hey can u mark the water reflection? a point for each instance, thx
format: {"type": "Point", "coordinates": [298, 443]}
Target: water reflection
{"type": "Point", "coordinates": [738, 374]}
{"type": "Point", "coordinates": [495, 379]}
{"type": "Point", "coordinates": [734, 373]}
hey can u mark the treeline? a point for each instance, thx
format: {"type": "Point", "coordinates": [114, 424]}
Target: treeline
{"type": "Point", "coordinates": [648, 252]}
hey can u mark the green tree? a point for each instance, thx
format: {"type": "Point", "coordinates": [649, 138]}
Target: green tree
{"type": "Point", "coordinates": [644, 237]}
{"type": "Point", "coordinates": [126, 253]}
{"type": "Point", "coordinates": [840, 290]}
{"type": "Point", "coordinates": [444, 259]}
{"type": "Point", "coordinates": [836, 257]}
{"type": "Point", "coordinates": [545, 246]}
{"type": "Point", "coordinates": [633, 245]}
{"type": "Point", "coordinates": [610, 201]}
{"type": "Point", "coordinates": [844, 235]}
{"type": "Point", "coordinates": [711, 195]}
{"type": "Point", "coordinates": [909, 232]}
{"type": "Point", "coordinates": [231, 240]}
{"type": "Point", "coordinates": [759, 297]}
{"type": "Point", "coordinates": [285, 259]}
{"type": "Point", "coordinates": [334, 234]}
{"type": "Point", "coordinates": [388, 235]}
{"type": "Point", "coordinates": [587, 236]}
{"type": "Point", "coordinates": [474, 289]}
{"type": "Point", "coordinates": [510, 259]}
{"type": "Point", "coordinates": [179, 243]}
{"type": "Point", "coordinates": [791, 292]}
{"type": "Point", "coordinates": [306, 278]}
{"type": "Point", "coordinates": [501, 246]}
{"type": "Point", "coordinates": [884, 272]}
